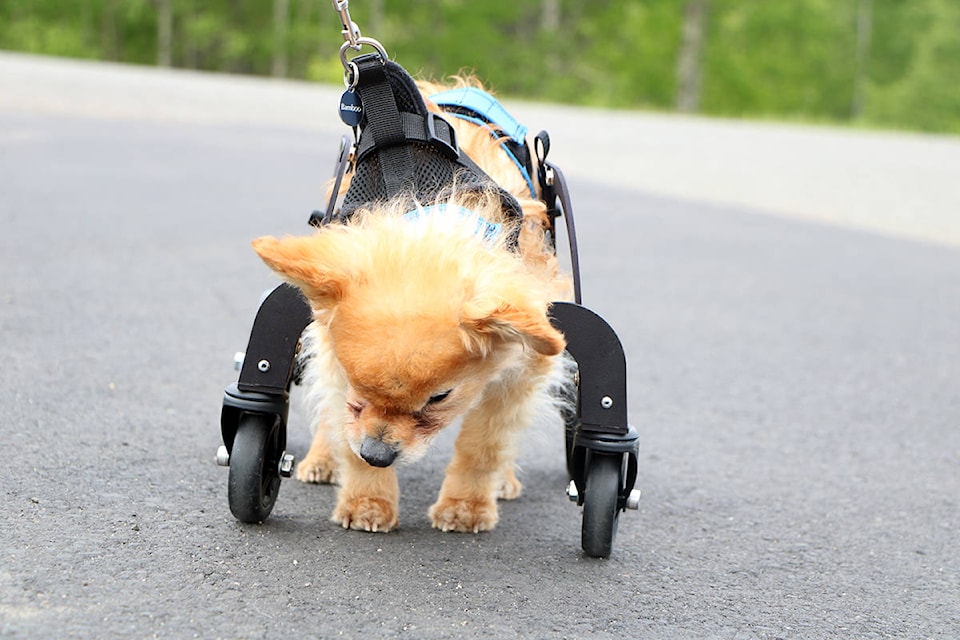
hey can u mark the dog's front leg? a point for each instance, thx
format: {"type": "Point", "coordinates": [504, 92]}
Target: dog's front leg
{"type": "Point", "coordinates": [369, 497]}
{"type": "Point", "coordinates": [482, 463]}
{"type": "Point", "coordinates": [482, 468]}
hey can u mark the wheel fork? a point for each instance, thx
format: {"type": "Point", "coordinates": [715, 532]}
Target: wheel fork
{"type": "Point", "coordinates": [602, 427]}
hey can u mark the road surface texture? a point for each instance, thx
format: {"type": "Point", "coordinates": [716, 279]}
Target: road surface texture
{"type": "Point", "coordinates": [793, 362]}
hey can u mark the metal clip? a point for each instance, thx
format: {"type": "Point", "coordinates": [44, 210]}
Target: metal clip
{"type": "Point", "coordinates": [353, 40]}
{"type": "Point", "coordinates": [350, 32]}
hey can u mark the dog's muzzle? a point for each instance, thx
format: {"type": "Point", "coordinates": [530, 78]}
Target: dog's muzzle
{"type": "Point", "coordinates": [377, 453]}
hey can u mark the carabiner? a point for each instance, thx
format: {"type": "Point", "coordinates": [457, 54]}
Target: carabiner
{"type": "Point", "coordinates": [353, 40]}
{"type": "Point", "coordinates": [350, 32]}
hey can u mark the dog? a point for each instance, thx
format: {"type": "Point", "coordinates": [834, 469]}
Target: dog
{"type": "Point", "coordinates": [423, 319]}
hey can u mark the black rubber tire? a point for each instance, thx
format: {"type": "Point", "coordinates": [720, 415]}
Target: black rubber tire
{"type": "Point", "coordinates": [254, 467]}
{"type": "Point", "coordinates": [601, 496]}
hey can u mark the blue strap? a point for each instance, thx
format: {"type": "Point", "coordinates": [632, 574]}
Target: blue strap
{"type": "Point", "coordinates": [484, 105]}
{"type": "Point", "coordinates": [485, 229]}
{"type": "Point", "coordinates": [491, 112]}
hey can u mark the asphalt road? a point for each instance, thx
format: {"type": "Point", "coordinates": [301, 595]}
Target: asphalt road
{"type": "Point", "coordinates": [794, 385]}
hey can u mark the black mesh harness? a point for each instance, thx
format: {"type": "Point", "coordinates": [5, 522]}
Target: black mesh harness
{"type": "Point", "coordinates": [404, 150]}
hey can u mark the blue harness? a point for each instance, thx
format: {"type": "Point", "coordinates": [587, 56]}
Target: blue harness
{"type": "Point", "coordinates": [479, 107]}
{"type": "Point", "coordinates": [483, 227]}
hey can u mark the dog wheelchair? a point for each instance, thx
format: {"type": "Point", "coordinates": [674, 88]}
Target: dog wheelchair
{"type": "Point", "coordinates": [402, 146]}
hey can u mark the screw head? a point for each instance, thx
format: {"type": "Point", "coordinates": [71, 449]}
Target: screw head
{"type": "Point", "coordinates": [263, 366]}
{"type": "Point", "coordinates": [223, 456]}
{"type": "Point", "coordinates": [633, 500]}
{"type": "Point", "coordinates": [572, 492]}
{"type": "Point", "coordinates": [606, 402]}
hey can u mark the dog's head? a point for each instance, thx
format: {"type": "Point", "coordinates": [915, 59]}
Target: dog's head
{"type": "Point", "coordinates": [422, 315]}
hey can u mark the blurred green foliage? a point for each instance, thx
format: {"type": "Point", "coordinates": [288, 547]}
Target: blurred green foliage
{"type": "Point", "coordinates": [890, 63]}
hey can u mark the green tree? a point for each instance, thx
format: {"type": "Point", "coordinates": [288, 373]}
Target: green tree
{"type": "Point", "coordinates": [919, 86]}
{"type": "Point", "coordinates": [785, 58]}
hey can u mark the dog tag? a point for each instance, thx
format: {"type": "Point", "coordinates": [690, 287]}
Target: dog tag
{"type": "Point", "coordinates": [350, 108]}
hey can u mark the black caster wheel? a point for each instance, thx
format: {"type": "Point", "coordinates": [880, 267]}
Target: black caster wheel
{"type": "Point", "coordinates": [254, 466]}
{"type": "Point", "coordinates": [601, 497]}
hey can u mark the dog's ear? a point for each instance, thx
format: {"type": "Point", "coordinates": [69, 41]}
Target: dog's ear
{"type": "Point", "coordinates": [487, 324]}
{"type": "Point", "coordinates": [302, 262]}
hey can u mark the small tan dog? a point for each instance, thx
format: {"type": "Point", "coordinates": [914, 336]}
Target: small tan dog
{"type": "Point", "coordinates": [421, 322]}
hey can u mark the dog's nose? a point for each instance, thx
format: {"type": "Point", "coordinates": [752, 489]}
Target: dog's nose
{"type": "Point", "coordinates": [377, 453]}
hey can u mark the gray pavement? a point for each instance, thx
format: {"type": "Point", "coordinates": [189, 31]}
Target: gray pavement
{"type": "Point", "coordinates": [794, 384]}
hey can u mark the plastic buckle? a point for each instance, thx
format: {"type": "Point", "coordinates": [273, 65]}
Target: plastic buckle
{"type": "Point", "coordinates": [450, 149]}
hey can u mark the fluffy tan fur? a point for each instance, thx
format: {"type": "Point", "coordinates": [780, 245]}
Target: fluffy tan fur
{"type": "Point", "coordinates": [419, 324]}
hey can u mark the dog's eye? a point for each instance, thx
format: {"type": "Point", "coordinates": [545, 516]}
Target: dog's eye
{"type": "Point", "coordinates": [439, 397]}
{"type": "Point", "coordinates": [355, 409]}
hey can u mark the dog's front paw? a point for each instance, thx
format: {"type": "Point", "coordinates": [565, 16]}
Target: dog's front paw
{"type": "Point", "coordinates": [510, 487]}
{"type": "Point", "coordinates": [467, 515]}
{"type": "Point", "coordinates": [366, 514]}
{"type": "Point", "coordinates": [317, 470]}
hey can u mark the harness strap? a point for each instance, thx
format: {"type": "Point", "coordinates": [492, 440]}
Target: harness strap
{"type": "Point", "coordinates": [415, 128]}
{"type": "Point", "coordinates": [482, 109]}
{"type": "Point", "coordinates": [386, 130]}
{"type": "Point", "coordinates": [484, 105]}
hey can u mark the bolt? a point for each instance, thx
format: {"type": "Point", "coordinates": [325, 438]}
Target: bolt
{"type": "Point", "coordinates": [285, 468]}
{"type": "Point", "coordinates": [633, 500]}
{"type": "Point", "coordinates": [572, 492]}
{"type": "Point", "coordinates": [238, 360]}
{"type": "Point", "coordinates": [264, 366]}
{"type": "Point", "coordinates": [223, 456]}
{"type": "Point", "coordinates": [606, 402]}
